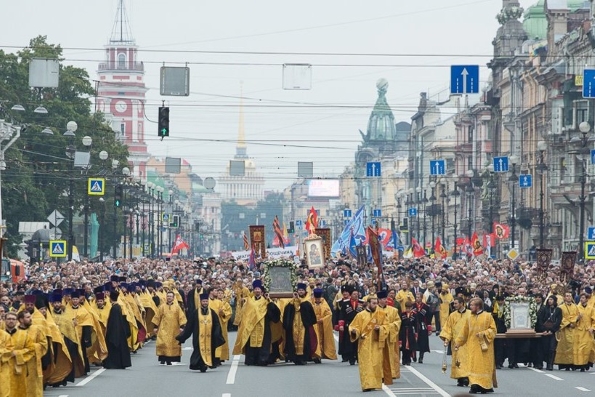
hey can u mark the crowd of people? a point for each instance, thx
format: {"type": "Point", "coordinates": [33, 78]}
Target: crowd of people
{"type": "Point", "coordinates": [66, 317]}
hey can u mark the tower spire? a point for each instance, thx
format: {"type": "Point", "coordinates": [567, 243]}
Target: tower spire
{"type": "Point", "coordinates": [241, 145]}
{"type": "Point", "coordinates": [121, 32]}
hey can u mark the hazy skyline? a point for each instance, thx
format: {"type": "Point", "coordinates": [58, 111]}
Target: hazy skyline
{"type": "Point", "coordinates": [411, 44]}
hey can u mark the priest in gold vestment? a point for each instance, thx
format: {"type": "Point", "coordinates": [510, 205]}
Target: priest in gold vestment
{"type": "Point", "coordinates": [218, 303]}
{"type": "Point", "coordinates": [168, 322]}
{"type": "Point", "coordinates": [583, 335]}
{"type": "Point", "coordinates": [564, 351]}
{"type": "Point", "coordinates": [371, 329]}
{"type": "Point", "coordinates": [451, 329]}
{"type": "Point", "coordinates": [478, 334]}
{"type": "Point", "coordinates": [5, 356]}
{"type": "Point", "coordinates": [391, 347]}
{"type": "Point", "coordinates": [324, 327]}
{"type": "Point", "coordinates": [204, 327]}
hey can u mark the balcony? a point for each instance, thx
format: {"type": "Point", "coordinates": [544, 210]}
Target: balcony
{"type": "Point", "coordinates": [115, 66]}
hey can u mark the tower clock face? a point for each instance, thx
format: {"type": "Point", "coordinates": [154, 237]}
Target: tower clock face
{"type": "Point", "coordinates": [121, 106]}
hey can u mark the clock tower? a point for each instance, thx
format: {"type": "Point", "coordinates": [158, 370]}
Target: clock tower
{"type": "Point", "coordinates": [121, 91]}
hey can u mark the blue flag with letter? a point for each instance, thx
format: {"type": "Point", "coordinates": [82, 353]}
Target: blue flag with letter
{"type": "Point", "coordinates": [354, 231]}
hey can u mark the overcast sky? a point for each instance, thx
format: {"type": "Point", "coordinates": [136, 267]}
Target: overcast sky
{"type": "Point", "coordinates": [282, 127]}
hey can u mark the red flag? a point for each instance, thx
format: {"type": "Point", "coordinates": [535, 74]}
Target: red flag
{"type": "Point", "coordinates": [489, 240]}
{"type": "Point", "coordinates": [179, 244]}
{"type": "Point", "coordinates": [418, 250]}
{"type": "Point", "coordinates": [280, 242]}
{"type": "Point", "coordinates": [501, 231]}
{"type": "Point", "coordinates": [439, 249]}
{"type": "Point", "coordinates": [252, 260]}
{"type": "Point", "coordinates": [312, 221]}
{"type": "Point", "coordinates": [476, 245]}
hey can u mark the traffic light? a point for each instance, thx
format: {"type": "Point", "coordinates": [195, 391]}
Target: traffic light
{"type": "Point", "coordinates": [175, 221]}
{"type": "Point", "coordinates": [291, 229]}
{"type": "Point", "coordinates": [118, 196]}
{"type": "Point", "coordinates": [405, 224]}
{"type": "Point", "coordinates": [163, 121]}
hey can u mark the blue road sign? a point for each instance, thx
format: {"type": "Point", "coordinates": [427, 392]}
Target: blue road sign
{"type": "Point", "coordinates": [373, 168]}
{"type": "Point", "coordinates": [501, 164]}
{"type": "Point", "coordinates": [464, 79]}
{"type": "Point", "coordinates": [589, 83]}
{"type": "Point", "coordinates": [589, 249]}
{"type": "Point", "coordinates": [412, 211]}
{"type": "Point", "coordinates": [96, 186]}
{"type": "Point", "coordinates": [345, 222]}
{"type": "Point", "coordinates": [591, 233]}
{"type": "Point", "coordinates": [299, 223]}
{"type": "Point", "coordinates": [437, 167]}
{"type": "Point", "coordinates": [346, 213]}
{"type": "Point", "coordinates": [323, 223]}
{"type": "Point", "coordinates": [58, 249]}
{"type": "Point", "coordinates": [377, 213]}
{"type": "Point", "coordinates": [592, 156]}
{"type": "Point", "coordinates": [525, 180]}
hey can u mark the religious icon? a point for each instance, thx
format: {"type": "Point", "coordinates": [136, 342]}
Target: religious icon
{"type": "Point", "coordinates": [314, 252]}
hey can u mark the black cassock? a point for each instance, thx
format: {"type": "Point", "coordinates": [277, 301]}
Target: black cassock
{"type": "Point", "coordinates": [192, 328]}
{"type": "Point", "coordinates": [116, 335]}
{"type": "Point", "coordinates": [423, 320]}
{"type": "Point", "coordinates": [308, 317]}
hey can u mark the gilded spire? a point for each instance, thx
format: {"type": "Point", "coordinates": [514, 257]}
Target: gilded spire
{"type": "Point", "coordinates": [241, 145]}
{"type": "Point", "coordinates": [121, 32]}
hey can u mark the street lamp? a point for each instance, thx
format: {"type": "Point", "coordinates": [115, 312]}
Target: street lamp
{"type": "Point", "coordinates": [433, 201]}
{"type": "Point", "coordinates": [514, 180]}
{"type": "Point", "coordinates": [541, 168]}
{"type": "Point", "coordinates": [582, 154]}
{"type": "Point", "coordinates": [455, 193]}
{"type": "Point", "coordinates": [470, 191]}
{"type": "Point", "coordinates": [418, 201]}
{"type": "Point", "coordinates": [444, 197]}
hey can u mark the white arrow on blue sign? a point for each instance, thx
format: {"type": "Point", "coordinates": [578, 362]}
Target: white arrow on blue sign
{"type": "Point", "coordinates": [591, 233]}
{"type": "Point", "coordinates": [464, 79]}
{"type": "Point", "coordinates": [346, 213]}
{"type": "Point", "coordinates": [298, 223]}
{"type": "Point", "coordinates": [437, 167]}
{"type": "Point", "coordinates": [377, 213]}
{"type": "Point", "coordinates": [525, 180]}
{"type": "Point", "coordinates": [373, 168]}
{"type": "Point", "coordinates": [412, 211]}
{"type": "Point", "coordinates": [501, 164]}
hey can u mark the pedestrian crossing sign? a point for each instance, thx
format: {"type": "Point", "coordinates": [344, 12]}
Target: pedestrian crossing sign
{"type": "Point", "coordinates": [96, 186]}
{"type": "Point", "coordinates": [590, 250]}
{"type": "Point", "coordinates": [58, 248]}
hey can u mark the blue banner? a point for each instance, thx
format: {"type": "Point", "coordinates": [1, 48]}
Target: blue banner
{"type": "Point", "coordinates": [345, 241]}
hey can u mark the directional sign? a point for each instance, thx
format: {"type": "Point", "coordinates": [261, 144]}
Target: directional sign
{"type": "Point", "coordinates": [412, 211]}
{"type": "Point", "coordinates": [373, 168]}
{"type": "Point", "coordinates": [299, 223]}
{"type": "Point", "coordinates": [592, 156]}
{"type": "Point", "coordinates": [346, 213]}
{"type": "Point", "coordinates": [591, 233]}
{"type": "Point", "coordinates": [464, 79]}
{"type": "Point", "coordinates": [589, 83]}
{"type": "Point", "coordinates": [525, 181]}
{"type": "Point", "coordinates": [323, 223]}
{"type": "Point", "coordinates": [346, 222]}
{"type": "Point", "coordinates": [58, 248]}
{"type": "Point", "coordinates": [96, 186]}
{"type": "Point", "coordinates": [590, 250]}
{"type": "Point", "coordinates": [55, 218]}
{"type": "Point", "coordinates": [501, 164]}
{"type": "Point", "coordinates": [165, 218]}
{"type": "Point", "coordinates": [377, 213]}
{"type": "Point", "coordinates": [437, 167]}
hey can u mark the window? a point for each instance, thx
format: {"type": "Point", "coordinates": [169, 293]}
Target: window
{"type": "Point", "coordinates": [470, 132]}
{"type": "Point", "coordinates": [121, 61]}
{"type": "Point", "coordinates": [581, 112]}
{"type": "Point", "coordinates": [470, 163]}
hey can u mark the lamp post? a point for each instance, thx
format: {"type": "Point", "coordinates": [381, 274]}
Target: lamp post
{"type": "Point", "coordinates": [455, 193]}
{"type": "Point", "coordinates": [160, 191]}
{"type": "Point", "coordinates": [582, 154]}
{"type": "Point", "coordinates": [514, 180]}
{"type": "Point", "coordinates": [541, 168]}
{"type": "Point", "coordinates": [443, 196]}
{"type": "Point", "coordinates": [101, 233]}
{"type": "Point", "coordinates": [418, 202]}
{"type": "Point", "coordinates": [470, 191]}
{"type": "Point", "coordinates": [433, 206]}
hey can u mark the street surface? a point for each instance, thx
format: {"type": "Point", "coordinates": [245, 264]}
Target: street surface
{"type": "Point", "coordinates": [331, 378]}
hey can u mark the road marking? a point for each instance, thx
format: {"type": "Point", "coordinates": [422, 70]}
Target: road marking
{"type": "Point", "coordinates": [187, 348]}
{"type": "Point", "coordinates": [226, 395]}
{"type": "Point", "coordinates": [90, 377]}
{"type": "Point", "coordinates": [582, 388]}
{"type": "Point", "coordinates": [428, 382]}
{"type": "Point", "coordinates": [439, 351]}
{"type": "Point", "coordinates": [63, 395]}
{"type": "Point", "coordinates": [537, 370]}
{"type": "Point", "coordinates": [388, 391]}
{"type": "Point", "coordinates": [231, 376]}
{"type": "Point", "coordinates": [554, 377]}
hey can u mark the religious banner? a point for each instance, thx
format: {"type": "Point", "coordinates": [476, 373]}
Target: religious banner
{"type": "Point", "coordinates": [314, 252]}
{"type": "Point", "coordinates": [567, 265]}
{"type": "Point", "coordinates": [544, 258]}
{"type": "Point", "coordinates": [361, 254]}
{"type": "Point", "coordinates": [325, 234]}
{"type": "Point", "coordinates": [257, 240]}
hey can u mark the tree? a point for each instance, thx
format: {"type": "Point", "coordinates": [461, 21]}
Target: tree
{"type": "Point", "coordinates": [38, 170]}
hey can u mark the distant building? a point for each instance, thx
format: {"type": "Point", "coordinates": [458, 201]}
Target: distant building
{"type": "Point", "coordinates": [249, 188]}
{"type": "Point", "coordinates": [121, 91]}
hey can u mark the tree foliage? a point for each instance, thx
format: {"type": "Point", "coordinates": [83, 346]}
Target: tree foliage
{"type": "Point", "coordinates": [38, 171]}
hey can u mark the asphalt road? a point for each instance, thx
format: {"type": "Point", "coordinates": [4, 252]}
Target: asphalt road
{"type": "Point", "coordinates": [331, 378]}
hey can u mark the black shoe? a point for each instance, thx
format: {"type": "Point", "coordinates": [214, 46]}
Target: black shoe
{"type": "Point", "coordinates": [352, 362]}
{"type": "Point", "coordinates": [421, 361]}
{"type": "Point", "coordinates": [316, 361]}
